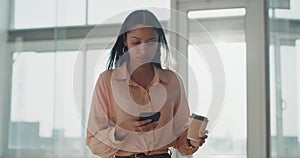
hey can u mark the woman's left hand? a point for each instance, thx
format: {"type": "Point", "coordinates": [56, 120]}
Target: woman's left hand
{"type": "Point", "coordinates": [198, 143]}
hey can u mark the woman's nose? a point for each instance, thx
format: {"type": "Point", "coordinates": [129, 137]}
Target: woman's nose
{"type": "Point", "coordinates": [143, 48]}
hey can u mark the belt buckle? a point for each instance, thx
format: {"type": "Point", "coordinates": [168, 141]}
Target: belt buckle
{"type": "Point", "coordinates": [138, 155]}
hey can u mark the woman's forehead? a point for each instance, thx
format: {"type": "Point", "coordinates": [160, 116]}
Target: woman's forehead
{"type": "Point", "coordinates": [142, 31]}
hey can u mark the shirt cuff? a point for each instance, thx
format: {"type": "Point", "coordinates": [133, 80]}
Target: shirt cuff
{"type": "Point", "coordinates": [112, 137]}
{"type": "Point", "coordinates": [107, 137]}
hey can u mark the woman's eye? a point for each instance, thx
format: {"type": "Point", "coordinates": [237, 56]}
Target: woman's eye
{"type": "Point", "coordinates": [135, 42]}
{"type": "Point", "coordinates": [153, 41]}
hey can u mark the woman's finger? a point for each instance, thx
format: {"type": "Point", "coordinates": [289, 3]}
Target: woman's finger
{"type": "Point", "coordinates": [141, 123]}
{"type": "Point", "coordinates": [204, 132]}
{"type": "Point", "coordinates": [204, 137]}
{"type": "Point", "coordinates": [150, 126]}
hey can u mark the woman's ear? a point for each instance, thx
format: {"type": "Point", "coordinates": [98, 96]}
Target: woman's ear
{"type": "Point", "coordinates": [125, 40]}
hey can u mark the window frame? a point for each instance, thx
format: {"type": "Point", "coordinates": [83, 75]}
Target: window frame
{"type": "Point", "coordinates": [257, 74]}
{"type": "Point", "coordinates": [258, 120]}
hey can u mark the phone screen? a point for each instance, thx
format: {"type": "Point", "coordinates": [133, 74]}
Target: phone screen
{"type": "Point", "coordinates": [154, 116]}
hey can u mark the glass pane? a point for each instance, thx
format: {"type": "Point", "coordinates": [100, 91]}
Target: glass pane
{"type": "Point", "coordinates": [34, 13]}
{"type": "Point", "coordinates": [70, 12]}
{"type": "Point", "coordinates": [109, 12]}
{"type": "Point", "coordinates": [228, 36]}
{"type": "Point", "coordinates": [48, 13]}
{"type": "Point", "coordinates": [66, 118]}
{"type": "Point", "coordinates": [291, 13]}
{"type": "Point", "coordinates": [43, 108]}
{"type": "Point", "coordinates": [284, 75]}
{"type": "Point", "coordinates": [284, 80]}
{"type": "Point", "coordinates": [217, 13]}
{"type": "Point", "coordinates": [32, 99]}
{"type": "Point", "coordinates": [96, 64]}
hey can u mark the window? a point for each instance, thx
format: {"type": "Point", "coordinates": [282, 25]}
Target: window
{"type": "Point", "coordinates": [227, 30]}
{"type": "Point", "coordinates": [109, 12]}
{"type": "Point", "coordinates": [43, 106]}
{"type": "Point", "coordinates": [284, 80]}
{"type": "Point", "coordinates": [284, 88]}
{"type": "Point", "coordinates": [48, 13]}
{"type": "Point", "coordinates": [48, 114]}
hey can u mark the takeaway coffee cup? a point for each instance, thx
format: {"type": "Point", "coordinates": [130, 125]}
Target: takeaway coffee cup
{"type": "Point", "coordinates": [197, 125]}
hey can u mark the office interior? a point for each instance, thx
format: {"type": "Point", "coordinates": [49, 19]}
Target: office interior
{"type": "Point", "coordinates": [51, 52]}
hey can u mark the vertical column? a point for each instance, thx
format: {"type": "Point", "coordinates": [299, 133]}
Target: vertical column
{"type": "Point", "coordinates": [178, 38]}
{"type": "Point", "coordinates": [173, 43]}
{"type": "Point", "coordinates": [5, 71]}
{"type": "Point", "coordinates": [179, 24]}
{"type": "Point", "coordinates": [279, 109]}
{"type": "Point", "coordinates": [257, 79]}
{"type": "Point", "coordinates": [298, 84]}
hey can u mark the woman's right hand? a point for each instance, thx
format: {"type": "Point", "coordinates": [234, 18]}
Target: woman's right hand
{"type": "Point", "coordinates": [135, 126]}
{"type": "Point", "coordinates": [197, 144]}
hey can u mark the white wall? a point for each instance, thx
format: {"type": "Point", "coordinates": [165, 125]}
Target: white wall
{"type": "Point", "coordinates": [4, 74]}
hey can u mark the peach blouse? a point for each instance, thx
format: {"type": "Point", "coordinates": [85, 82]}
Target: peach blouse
{"type": "Point", "coordinates": [117, 98]}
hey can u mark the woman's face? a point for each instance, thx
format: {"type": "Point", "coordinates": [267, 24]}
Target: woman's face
{"type": "Point", "coordinates": [142, 44]}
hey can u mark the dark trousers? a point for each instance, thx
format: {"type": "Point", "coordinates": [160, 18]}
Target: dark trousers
{"type": "Point", "coordinates": [165, 155]}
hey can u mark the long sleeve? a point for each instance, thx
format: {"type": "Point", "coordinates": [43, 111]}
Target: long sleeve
{"type": "Point", "coordinates": [181, 122]}
{"type": "Point", "coordinates": [100, 131]}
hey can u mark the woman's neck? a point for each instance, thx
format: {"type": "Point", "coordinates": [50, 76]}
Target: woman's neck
{"type": "Point", "coordinates": [142, 74]}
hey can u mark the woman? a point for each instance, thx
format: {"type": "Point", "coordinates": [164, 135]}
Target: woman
{"type": "Point", "coordinates": [135, 83]}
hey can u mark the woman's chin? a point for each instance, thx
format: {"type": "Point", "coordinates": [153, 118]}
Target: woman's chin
{"type": "Point", "coordinates": [142, 61]}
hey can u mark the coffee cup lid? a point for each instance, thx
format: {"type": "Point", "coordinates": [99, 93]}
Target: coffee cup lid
{"type": "Point", "coordinates": [199, 117]}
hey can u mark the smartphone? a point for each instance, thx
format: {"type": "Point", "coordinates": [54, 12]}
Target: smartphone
{"type": "Point", "coordinates": [154, 116]}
